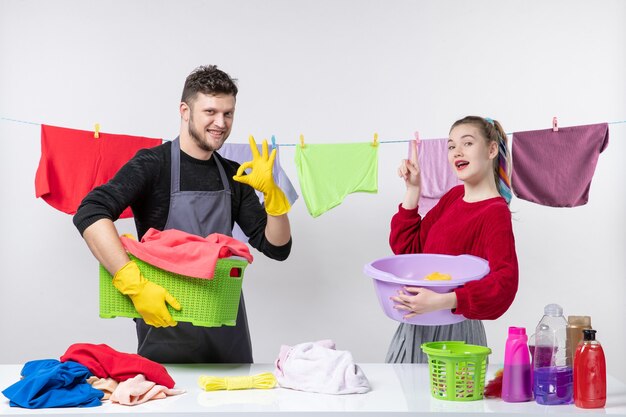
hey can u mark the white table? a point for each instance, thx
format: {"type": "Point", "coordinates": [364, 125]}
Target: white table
{"type": "Point", "coordinates": [396, 390]}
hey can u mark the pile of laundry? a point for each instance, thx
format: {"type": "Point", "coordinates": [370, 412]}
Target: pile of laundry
{"type": "Point", "coordinates": [86, 375]}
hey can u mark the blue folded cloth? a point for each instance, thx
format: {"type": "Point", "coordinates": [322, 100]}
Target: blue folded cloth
{"type": "Point", "coordinates": [49, 383]}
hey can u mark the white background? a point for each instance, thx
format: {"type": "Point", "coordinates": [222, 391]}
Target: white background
{"type": "Point", "coordinates": [335, 71]}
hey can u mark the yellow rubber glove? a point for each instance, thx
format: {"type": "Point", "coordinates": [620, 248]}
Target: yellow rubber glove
{"type": "Point", "coordinates": [149, 298]}
{"type": "Point", "coordinates": [261, 179]}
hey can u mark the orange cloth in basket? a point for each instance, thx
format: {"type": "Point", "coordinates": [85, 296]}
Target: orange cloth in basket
{"type": "Point", "coordinates": [184, 253]}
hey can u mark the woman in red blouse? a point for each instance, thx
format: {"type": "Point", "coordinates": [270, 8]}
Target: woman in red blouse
{"type": "Point", "coordinates": [472, 218]}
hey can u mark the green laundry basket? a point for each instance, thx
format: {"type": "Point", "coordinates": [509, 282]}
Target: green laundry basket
{"type": "Point", "coordinates": [457, 370]}
{"type": "Point", "coordinates": [205, 302]}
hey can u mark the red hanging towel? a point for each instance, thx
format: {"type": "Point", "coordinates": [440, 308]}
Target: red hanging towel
{"type": "Point", "coordinates": [73, 163]}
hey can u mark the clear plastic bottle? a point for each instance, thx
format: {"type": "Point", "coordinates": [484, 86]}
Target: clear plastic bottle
{"type": "Point", "coordinates": [552, 376]}
{"type": "Point", "coordinates": [589, 372]}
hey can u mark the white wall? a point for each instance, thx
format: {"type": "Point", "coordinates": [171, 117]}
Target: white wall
{"type": "Point", "coordinates": [336, 71]}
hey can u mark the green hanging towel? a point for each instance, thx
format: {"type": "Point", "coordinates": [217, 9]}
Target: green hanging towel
{"type": "Point", "coordinates": [328, 173]}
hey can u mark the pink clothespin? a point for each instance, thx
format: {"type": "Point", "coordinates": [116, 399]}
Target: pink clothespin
{"type": "Point", "coordinates": [555, 126]}
{"type": "Point", "coordinates": [417, 138]}
{"type": "Point", "coordinates": [417, 141]}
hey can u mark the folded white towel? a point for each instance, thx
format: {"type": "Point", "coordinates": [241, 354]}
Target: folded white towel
{"type": "Point", "coordinates": [318, 367]}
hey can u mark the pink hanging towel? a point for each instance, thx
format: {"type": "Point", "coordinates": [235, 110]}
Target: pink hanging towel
{"type": "Point", "coordinates": [73, 163]}
{"type": "Point", "coordinates": [555, 168]}
{"type": "Point", "coordinates": [437, 175]}
{"type": "Point", "coordinates": [184, 253]}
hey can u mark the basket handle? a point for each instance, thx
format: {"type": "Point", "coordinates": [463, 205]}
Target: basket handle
{"type": "Point", "coordinates": [235, 272]}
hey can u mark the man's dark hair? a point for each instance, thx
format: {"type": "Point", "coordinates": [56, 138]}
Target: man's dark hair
{"type": "Point", "coordinates": [207, 79]}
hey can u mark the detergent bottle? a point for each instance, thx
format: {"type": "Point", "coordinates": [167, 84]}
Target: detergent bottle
{"type": "Point", "coordinates": [575, 327]}
{"type": "Point", "coordinates": [516, 379]}
{"type": "Point", "coordinates": [552, 377]}
{"type": "Point", "coordinates": [589, 372]}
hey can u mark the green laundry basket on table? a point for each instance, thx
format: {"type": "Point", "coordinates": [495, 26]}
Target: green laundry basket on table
{"type": "Point", "coordinates": [205, 302]}
{"type": "Point", "coordinates": [457, 370]}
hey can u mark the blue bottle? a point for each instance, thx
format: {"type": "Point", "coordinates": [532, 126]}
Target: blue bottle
{"type": "Point", "coordinates": [553, 376]}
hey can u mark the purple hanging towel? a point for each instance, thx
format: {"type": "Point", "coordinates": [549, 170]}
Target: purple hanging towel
{"type": "Point", "coordinates": [555, 168]}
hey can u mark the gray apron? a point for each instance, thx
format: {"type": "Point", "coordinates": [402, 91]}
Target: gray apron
{"type": "Point", "coordinates": [200, 213]}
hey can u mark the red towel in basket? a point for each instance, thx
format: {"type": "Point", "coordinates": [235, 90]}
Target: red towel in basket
{"type": "Point", "coordinates": [103, 361]}
{"type": "Point", "coordinates": [184, 253]}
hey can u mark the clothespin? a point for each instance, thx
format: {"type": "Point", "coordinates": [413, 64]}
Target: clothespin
{"type": "Point", "coordinates": [417, 138]}
{"type": "Point", "coordinates": [301, 141]}
{"type": "Point", "coordinates": [273, 143]}
{"type": "Point", "coordinates": [555, 126]}
{"type": "Point", "coordinates": [417, 143]}
{"type": "Point", "coordinates": [96, 133]}
{"type": "Point", "coordinates": [375, 142]}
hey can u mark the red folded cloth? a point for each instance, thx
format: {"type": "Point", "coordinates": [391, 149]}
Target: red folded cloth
{"type": "Point", "coordinates": [103, 361]}
{"type": "Point", "coordinates": [184, 253]}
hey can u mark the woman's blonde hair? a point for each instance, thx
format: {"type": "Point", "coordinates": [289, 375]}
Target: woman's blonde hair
{"type": "Point", "coordinates": [493, 132]}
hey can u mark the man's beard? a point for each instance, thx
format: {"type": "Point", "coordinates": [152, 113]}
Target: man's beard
{"type": "Point", "coordinates": [198, 138]}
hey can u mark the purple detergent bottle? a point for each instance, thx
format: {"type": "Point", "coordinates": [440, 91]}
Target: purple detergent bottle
{"type": "Point", "coordinates": [553, 377]}
{"type": "Point", "coordinates": [517, 377]}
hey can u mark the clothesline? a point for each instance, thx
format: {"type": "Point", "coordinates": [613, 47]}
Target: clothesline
{"type": "Point", "coordinates": [536, 154]}
{"type": "Point", "coordinates": [293, 144]}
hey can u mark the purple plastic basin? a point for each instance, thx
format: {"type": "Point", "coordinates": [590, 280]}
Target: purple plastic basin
{"type": "Point", "coordinates": [393, 273]}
